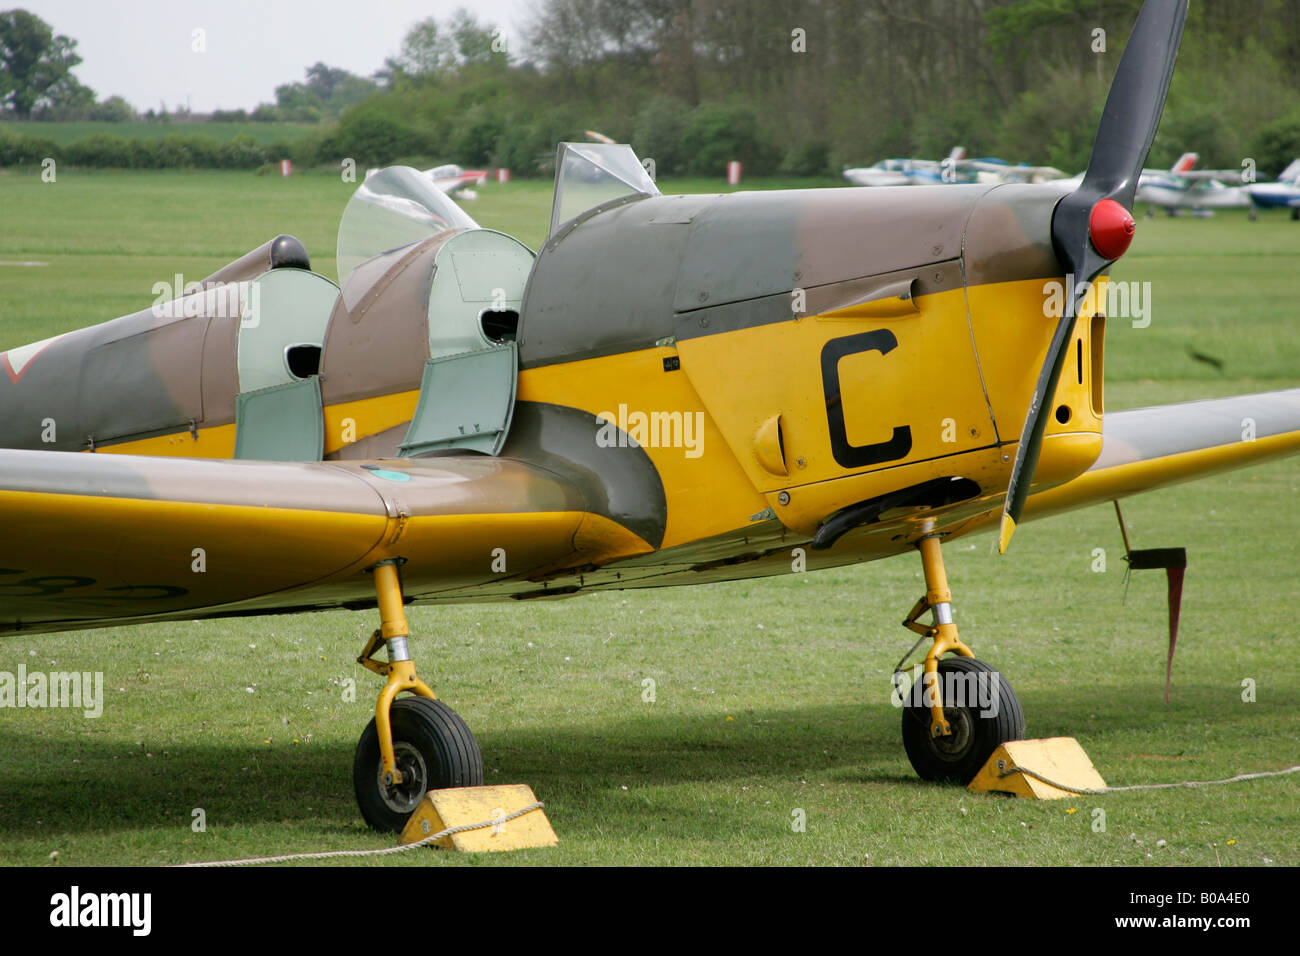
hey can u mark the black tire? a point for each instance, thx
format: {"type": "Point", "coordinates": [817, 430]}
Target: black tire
{"type": "Point", "coordinates": [959, 756]}
{"type": "Point", "coordinates": [434, 749]}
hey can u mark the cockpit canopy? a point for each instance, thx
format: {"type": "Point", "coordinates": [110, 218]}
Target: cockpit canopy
{"type": "Point", "coordinates": [391, 209]}
{"type": "Point", "coordinates": [588, 175]}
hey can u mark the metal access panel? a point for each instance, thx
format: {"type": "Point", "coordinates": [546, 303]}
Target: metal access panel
{"type": "Point", "coordinates": [466, 402]}
{"type": "Point", "coordinates": [281, 423]}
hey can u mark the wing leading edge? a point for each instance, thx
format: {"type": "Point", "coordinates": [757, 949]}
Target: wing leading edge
{"type": "Point", "coordinates": [94, 540]}
{"type": "Point", "coordinates": [1148, 448]}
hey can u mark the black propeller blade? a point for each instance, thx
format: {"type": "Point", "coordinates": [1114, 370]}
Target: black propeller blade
{"type": "Point", "coordinates": [1093, 225]}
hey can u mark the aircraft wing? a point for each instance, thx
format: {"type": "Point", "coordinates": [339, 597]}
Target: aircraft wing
{"type": "Point", "coordinates": [868, 176]}
{"type": "Point", "coordinates": [1231, 177]}
{"type": "Point", "coordinates": [452, 178]}
{"type": "Point", "coordinates": [1012, 173]}
{"type": "Point", "coordinates": [1148, 448]}
{"type": "Point", "coordinates": [455, 183]}
{"type": "Point", "coordinates": [94, 539]}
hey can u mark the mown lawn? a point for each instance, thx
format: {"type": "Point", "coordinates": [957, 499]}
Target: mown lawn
{"type": "Point", "coordinates": [771, 697]}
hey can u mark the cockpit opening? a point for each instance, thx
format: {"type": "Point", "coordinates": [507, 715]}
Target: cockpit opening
{"type": "Point", "coordinates": [500, 325]}
{"type": "Point", "coordinates": [302, 360]}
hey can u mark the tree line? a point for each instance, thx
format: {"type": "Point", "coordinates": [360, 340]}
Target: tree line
{"type": "Point", "coordinates": [801, 87]}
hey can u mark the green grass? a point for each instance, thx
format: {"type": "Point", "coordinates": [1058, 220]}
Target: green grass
{"type": "Point", "coordinates": [800, 663]}
{"type": "Point", "coordinates": [64, 133]}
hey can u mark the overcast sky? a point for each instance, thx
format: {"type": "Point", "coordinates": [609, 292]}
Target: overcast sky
{"type": "Point", "coordinates": [142, 49]}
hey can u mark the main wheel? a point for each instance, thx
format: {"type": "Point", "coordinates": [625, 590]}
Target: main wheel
{"type": "Point", "coordinates": [434, 750]}
{"type": "Point", "coordinates": [982, 711]}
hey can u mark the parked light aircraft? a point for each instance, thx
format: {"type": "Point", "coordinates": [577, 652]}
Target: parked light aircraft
{"type": "Point", "coordinates": [1283, 192]}
{"type": "Point", "coordinates": [454, 180]}
{"type": "Point", "coordinates": [914, 172]}
{"type": "Point", "coordinates": [672, 390]}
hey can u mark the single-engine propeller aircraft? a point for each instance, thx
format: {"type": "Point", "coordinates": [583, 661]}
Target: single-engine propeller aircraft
{"type": "Point", "coordinates": [452, 179]}
{"type": "Point", "coordinates": [954, 168]}
{"type": "Point", "coordinates": [1182, 187]}
{"type": "Point", "coordinates": [673, 390]}
{"type": "Point", "coordinates": [1282, 192]}
{"type": "Point", "coordinates": [1200, 190]}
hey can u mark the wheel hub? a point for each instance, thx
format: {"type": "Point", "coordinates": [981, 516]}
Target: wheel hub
{"type": "Point", "coordinates": [955, 745]}
{"type": "Point", "coordinates": [404, 797]}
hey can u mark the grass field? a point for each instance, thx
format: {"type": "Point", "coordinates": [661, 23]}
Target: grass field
{"type": "Point", "coordinates": [772, 696]}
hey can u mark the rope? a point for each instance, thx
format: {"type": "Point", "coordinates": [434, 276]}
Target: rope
{"type": "Point", "coordinates": [432, 838]}
{"type": "Point", "coordinates": [1146, 786]}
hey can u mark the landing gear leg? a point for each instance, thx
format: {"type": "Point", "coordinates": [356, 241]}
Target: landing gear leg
{"type": "Point", "coordinates": [414, 744]}
{"type": "Point", "coordinates": [960, 709]}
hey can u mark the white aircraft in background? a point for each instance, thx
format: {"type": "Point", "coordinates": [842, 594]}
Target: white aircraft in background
{"type": "Point", "coordinates": [1282, 192]}
{"type": "Point", "coordinates": [956, 168]}
{"type": "Point", "coordinates": [455, 181]}
{"type": "Point", "coordinates": [1182, 187]}
{"type": "Point", "coordinates": [1000, 171]}
{"type": "Point", "coordinates": [1199, 190]}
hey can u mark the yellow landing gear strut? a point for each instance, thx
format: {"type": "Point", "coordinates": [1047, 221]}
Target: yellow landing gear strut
{"type": "Point", "coordinates": [938, 599]}
{"type": "Point", "coordinates": [961, 709]}
{"type": "Point", "coordinates": [400, 669]}
{"type": "Point", "coordinates": [413, 744]}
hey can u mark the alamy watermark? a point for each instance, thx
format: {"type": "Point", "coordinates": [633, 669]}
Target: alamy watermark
{"type": "Point", "coordinates": [966, 689]}
{"type": "Point", "coordinates": [218, 300]}
{"type": "Point", "coordinates": [652, 430]}
{"type": "Point", "coordinates": [72, 689]}
{"type": "Point", "coordinates": [1123, 300]}
{"type": "Point", "coordinates": [128, 910]}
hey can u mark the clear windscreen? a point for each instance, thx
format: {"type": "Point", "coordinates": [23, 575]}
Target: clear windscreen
{"type": "Point", "coordinates": [589, 174]}
{"type": "Point", "coordinates": [392, 209]}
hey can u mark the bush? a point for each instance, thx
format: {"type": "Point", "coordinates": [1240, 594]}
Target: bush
{"type": "Point", "coordinates": [100, 149]}
{"type": "Point", "coordinates": [416, 161]}
{"type": "Point", "coordinates": [282, 149]}
{"type": "Point", "coordinates": [309, 149]}
{"type": "Point", "coordinates": [810, 158]}
{"type": "Point", "coordinates": [715, 135]}
{"type": "Point", "coordinates": [657, 134]}
{"type": "Point", "coordinates": [1063, 114]}
{"type": "Point", "coordinates": [1276, 144]}
{"type": "Point", "coordinates": [372, 138]}
{"type": "Point", "coordinates": [527, 145]}
{"type": "Point", "coordinates": [19, 149]}
{"type": "Point", "coordinates": [244, 152]}
{"type": "Point", "coordinates": [474, 138]}
{"type": "Point", "coordinates": [176, 151]}
{"type": "Point", "coordinates": [523, 149]}
{"type": "Point", "coordinates": [1194, 127]}
{"type": "Point", "coordinates": [962, 123]}
{"type": "Point", "coordinates": [110, 151]}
